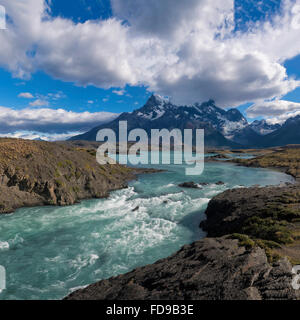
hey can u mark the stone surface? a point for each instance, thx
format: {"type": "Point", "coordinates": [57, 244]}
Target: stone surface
{"type": "Point", "coordinates": [189, 185]}
{"type": "Point", "coordinates": [210, 269]}
{"type": "Point", "coordinates": [227, 212]}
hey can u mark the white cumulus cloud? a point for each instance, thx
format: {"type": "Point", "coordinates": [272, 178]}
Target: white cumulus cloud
{"type": "Point", "coordinates": [25, 95]}
{"type": "Point", "coordinates": [58, 121]}
{"type": "Point", "coordinates": [185, 50]}
{"type": "Point", "coordinates": [31, 135]}
{"type": "Point", "coordinates": [276, 111]}
{"type": "Point", "coordinates": [39, 103]}
{"type": "Point", "coordinates": [282, 118]}
{"type": "Point", "coordinates": [272, 108]}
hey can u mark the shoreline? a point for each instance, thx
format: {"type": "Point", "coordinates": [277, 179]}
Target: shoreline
{"type": "Point", "coordinates": [276, 169]}
{"type": "Point", "coordinates": [139, 171]}
{"type": "Point", "coordinates": [135, 171]}
{"type": "Point", "coordinates": [261, 158]}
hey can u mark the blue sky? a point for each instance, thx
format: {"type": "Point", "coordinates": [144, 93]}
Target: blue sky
{"type": "Point", "coordinates": [75, 98]}
{"type": "Point", "coordinates": [82, 10]}
{"type": "Point", "coordinates": [30, 80]}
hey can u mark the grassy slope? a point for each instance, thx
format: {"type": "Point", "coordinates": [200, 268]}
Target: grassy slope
{"type": "Point", "coordinates": [286, 159]}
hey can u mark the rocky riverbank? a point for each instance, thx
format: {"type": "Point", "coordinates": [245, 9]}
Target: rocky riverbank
{"type": "Point", "coordinates": [266, 217]}
{"type": "Point", "coordinates": [284, 159]}
{"type": "Point", "coordinates": [210, 269]}
{"type": "Point", "coordinates": [37, 173]}
{"type": "Point", "coordinates": [250, 232]}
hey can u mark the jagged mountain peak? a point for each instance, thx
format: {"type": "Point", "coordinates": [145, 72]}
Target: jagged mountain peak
{"type": "Point", "coordinates": [209, 103]}
{"type": "Point", "coordinates": [262, 127]}
{"type": "Point", "coordinates": [263, 121]}
{"type": "Point", "coordinates": [288, 133]}
{"type": "Point", "coordinates": [222, 128]}
{"type": "Point", "coordinates": [208, 107]}
{"type": "Point", "coordinates": [158, 112]}
{"type": "Point", "coordinates": [161, 112]}
{"type": "Point", "coordinates": [236, 115]}
{"type": "Point", "coordinates": [292, 120]}
{"type": "Point", "coordinates": [156, 99]}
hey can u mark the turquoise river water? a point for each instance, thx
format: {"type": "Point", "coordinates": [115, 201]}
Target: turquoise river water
{"type": "Point", "coordinates": [50, 251]}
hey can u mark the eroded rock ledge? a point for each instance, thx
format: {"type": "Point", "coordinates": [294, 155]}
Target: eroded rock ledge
{"type": "Point", "coordinates": [229, 211]}
{"type": "Point", "coordinates": [210, 269]}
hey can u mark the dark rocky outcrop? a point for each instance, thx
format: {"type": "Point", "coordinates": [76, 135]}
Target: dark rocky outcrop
{"type": "Point", "coordinates": [203, 184]}
{"type": "Point", "coordinates": [217, 157]}
{"type": "Point", "coordinates": [189, 185]}
{"type": "Point", "coordinates": [35, 173]}
{"type": "Point", "coordinates": [228, 212]}
{"type": "Point", "coordinates": [210, 269]}
{"type": "Point", "coordinates": [267, 217]}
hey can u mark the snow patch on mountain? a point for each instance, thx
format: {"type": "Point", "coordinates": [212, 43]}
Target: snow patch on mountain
{"type": "Point", "coordinates": [161, 100]}
{"type": "Point", "coordinates": [227, 122]}
{"type": "Point", "coordinates": [263, 127]}
{"type": "Point", "coordinates": [230, 127]}
{"type": "Point", "coordinates": [153, 115]}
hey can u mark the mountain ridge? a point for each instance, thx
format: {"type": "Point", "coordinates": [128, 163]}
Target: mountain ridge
{"type": "Point", "coordinates": [223, 128]}
{"type": "Point", "coordinates": [288, 133]}
{"type": "Point", "coordinates": [159, 113]}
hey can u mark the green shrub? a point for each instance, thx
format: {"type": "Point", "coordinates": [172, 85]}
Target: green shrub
{"type": "Point", "coordinates": [244, 240]}
{"type": "Point", "coordinates": [59, 183]}
{"type": "Point", "coordinates": [268, 229]}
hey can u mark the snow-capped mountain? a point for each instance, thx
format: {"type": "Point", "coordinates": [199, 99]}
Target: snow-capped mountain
{"type": "Point", "coordinates": [263, 127]}
{"type": "Point", "coordinates": [160, 113]}
{"type": "Point", "coordinates": [226, 122]}
{"type": "Point", "coordinates": [222, 128]}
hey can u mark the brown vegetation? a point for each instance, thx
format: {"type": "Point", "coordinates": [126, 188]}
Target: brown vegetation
{"type": "Point", "coordinates": [286, 159]}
